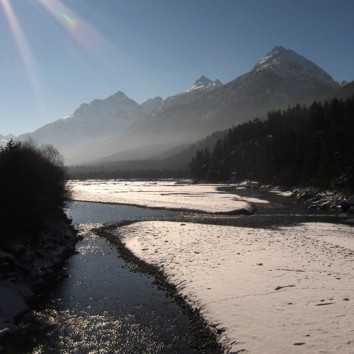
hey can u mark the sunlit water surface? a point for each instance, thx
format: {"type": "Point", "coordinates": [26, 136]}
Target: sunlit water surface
{"type": "Point", "coordinates": [102, 306]}
{"type": "Point", "coordinates": [90, 213]}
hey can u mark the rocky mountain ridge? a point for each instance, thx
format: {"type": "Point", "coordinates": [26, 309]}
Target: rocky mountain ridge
{"type": "Point", "coordinates": [288, 64]}
{"type": "Point", "coordinates": [105, 128]}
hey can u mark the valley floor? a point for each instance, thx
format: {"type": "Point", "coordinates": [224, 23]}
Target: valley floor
{"type": "Point", "coordinates": [274, 282]}
{"type": "Point", "coordinates": [276, 290]}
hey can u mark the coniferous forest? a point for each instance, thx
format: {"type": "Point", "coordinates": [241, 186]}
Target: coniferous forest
{"type": "Point", "coordinates": [299, 146]}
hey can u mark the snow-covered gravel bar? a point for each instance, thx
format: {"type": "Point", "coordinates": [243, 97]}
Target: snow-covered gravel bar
{"type": "Point", "coordinates": [282, 290]}
{"type": "Point", "coordinates": [163, 194]}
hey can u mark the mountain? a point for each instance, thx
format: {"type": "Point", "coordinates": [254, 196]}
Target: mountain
{"type": "Point", "coordinates": [204, 84]}
{"type": "Point", "coordinates": [90, 123]}
{"type": "Point", "coordinates": [145, 138]}
{"type": "Point", "coordinates": [4, 139]}
{"type": "Point", "coordinates": [346, 91]}
{"type": "Point", "coordinates": [343, 83]}
{"type": "Point", "coordinates": [7, 137]}
{"type": "Point", "coordinates": [281, 78]}
{"type": "Point", "coordinates": [287, 64]}
{"type": "Point", "coordinates": [200, 87]}
{"type": "Point", "coordinates": [151, 105]}
{"type": "Point", "coordinates": [118, 126]}
{"type": "Point", "coordinates": [3, 142]}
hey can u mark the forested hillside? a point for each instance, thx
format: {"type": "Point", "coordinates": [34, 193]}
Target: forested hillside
{"type": "Point", "coordinates": [299, 146]}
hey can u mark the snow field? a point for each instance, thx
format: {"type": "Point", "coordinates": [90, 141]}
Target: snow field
{"type": "Point", "coordinates": [277, 290]}
{"type": "Point", "coordinates": [166, 194]}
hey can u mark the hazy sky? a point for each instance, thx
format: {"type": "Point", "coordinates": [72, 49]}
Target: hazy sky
{"type": "Point", "coordinates": [57, 54]}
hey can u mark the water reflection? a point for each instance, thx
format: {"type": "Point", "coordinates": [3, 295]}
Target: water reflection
{"type": "Point", "coordinates": [103, 307]}
{"type": "Point", "coordinates": [86, 212]}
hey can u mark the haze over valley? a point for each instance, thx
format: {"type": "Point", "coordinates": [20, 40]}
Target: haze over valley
{"type": "Point", "coordinates": [118, 128]}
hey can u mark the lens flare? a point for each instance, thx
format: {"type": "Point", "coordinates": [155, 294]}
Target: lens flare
{"type": "Point", "coordinates": [72, 22]}
{"type": "Point", "coordinates": [107, 54]}
{"type": "Point", "coordinates": [25, 51]}
{"type": "Point", "coordinates": [85, 35]}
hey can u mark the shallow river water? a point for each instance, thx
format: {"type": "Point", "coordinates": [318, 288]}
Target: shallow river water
{"type": "Point", "coordinates": [102, 306]}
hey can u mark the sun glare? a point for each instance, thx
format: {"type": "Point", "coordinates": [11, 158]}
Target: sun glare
{"type": "Point", "coordinates": [84, 34]}
{"type": "Point", "coordinates": [105, 52]}
{"type": "Point", "coordinates": [93, 41]}
{"type": "Point", "coordinates": [24, 49]}
{"type": "Point", "coordinates": [73, 23]}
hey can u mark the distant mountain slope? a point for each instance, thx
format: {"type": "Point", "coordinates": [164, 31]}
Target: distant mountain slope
{"type": "Point", "coordinates": [4, 139]}
{"type": "Point", "coordinates": [106, 128]}
{"type": "Point", "coordinates": [279, 79]}
{"type": "Point", "coordinates": [346, 91]}
{"type": "Point", "coordinates": [151, 105]}
{"type": "Point", "coordinates": [142, 138]}
{"type": "Point", "coordinates": [290, 65]}
{"type": "Point", "coordinates": [90, 123]}
{"type": "Point", "coordinates": [3, 142]}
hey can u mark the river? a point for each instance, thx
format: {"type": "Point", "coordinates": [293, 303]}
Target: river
{"type": "Point", "coordinates": [102, 306]}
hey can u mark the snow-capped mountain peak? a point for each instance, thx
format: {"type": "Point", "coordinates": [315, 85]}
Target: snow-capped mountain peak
{"type": "Point", "coordinates": [288, 64]}
{"type": "Point", "coordinates": [205, 84]}
{"type": "Point", "coordinates": [108, 105]}
{"type": "Point", "coordinates": [201, 87]}
{"type": "Point", "coordinates": [343, 83]}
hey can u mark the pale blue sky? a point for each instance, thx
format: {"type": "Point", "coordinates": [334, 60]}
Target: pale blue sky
{"type": "Point", "coordinates": [73, 51]}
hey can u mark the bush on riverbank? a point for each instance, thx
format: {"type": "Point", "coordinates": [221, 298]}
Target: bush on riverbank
{"type": "Point", "coordinates": [32, 188]}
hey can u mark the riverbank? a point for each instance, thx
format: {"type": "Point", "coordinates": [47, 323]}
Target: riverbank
{"type": "Point", "coordinates": [235, 199]}
{"type": "Point", "coordinates": [205, 334]}
{"type": "Point", "coordinates": [279, 288]}
{"type": "Point", "coordinates": [310, 197]}
{"type": "Point", "coordinates": [27, 270]}
{"type": "Point", "coordinates": [269, 282]}
{"type": "Point", "coordinates": [143, 244]}
{"type": "Point", "coordinates": [164, 194]}
{"type": "Point", "coordinates": [313, 198]}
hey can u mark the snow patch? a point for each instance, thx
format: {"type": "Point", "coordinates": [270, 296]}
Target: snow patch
{"type": "Point", "coordinates": [205, 84]}
{"type": "Point", "coordinates": [267, 288]}
{"type": "Point", "coordinates": [288, 64]}
{"type": "Point", "coordinates": [163, 194]}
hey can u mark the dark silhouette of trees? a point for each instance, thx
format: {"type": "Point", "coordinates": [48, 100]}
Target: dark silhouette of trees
{"type": "Point", "coordinates": [32, 188]}
{"type": "Point", "coordinates": [299, 146]}
{"type": "Point", "coordinates": [200, 164]}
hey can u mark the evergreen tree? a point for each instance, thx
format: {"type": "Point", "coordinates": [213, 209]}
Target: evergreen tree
{"type": "Point", "coordinates": [298, 146]}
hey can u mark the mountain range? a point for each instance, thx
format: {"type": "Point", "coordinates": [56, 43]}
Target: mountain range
{"type": "Point", "coordinates": [4, 139]}
{"type": "Point", "coordinates": [118, 128]}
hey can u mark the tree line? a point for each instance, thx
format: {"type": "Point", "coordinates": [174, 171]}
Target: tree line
{"type": "Point", "coordinates": [115, 171]}
{"type": "Point", "coordinates": [302, 145]}
{"type": "Point", "coordinates": [32, 188]}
